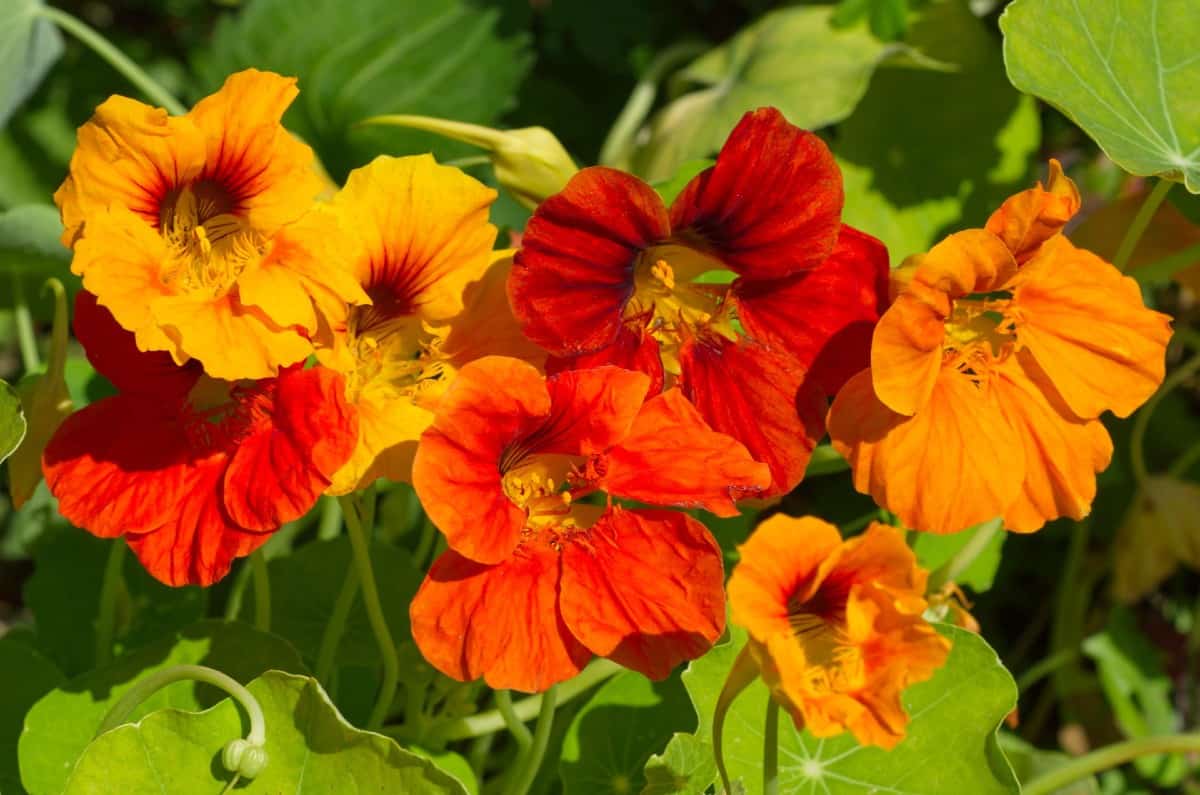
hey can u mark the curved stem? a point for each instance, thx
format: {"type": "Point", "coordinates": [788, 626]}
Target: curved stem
{"type": "Point", "coordinates": [109, 588]}
{"type": "Point", "coordinates": [515, 725]}
{"type": "Point", "coordinates": [1184, 462]}
{"type": "Point", "coordinates": [26, 338]}
{"type": "Point", "coordinates": [531, 758]}
{"type": "Point", "coordinates": [330, 524]}
{"type": "Point", "coordinates": [147, 687]}
{"type": "Point", "coordinates": [60, 331]}
{"type": "Point", "coordinates": [1137, 435]}
{"type": "Point", "coordinates": [1109, 757]}
{"type": "Point", "coordinates": [962, 560]}
{"type": "Point", "coordinates": [262, 591]}
{"type": "Point", "coordinates": [1140, 221]}
{"type": "Point", "coordinates": [117, 59]}
{"type": "Point", "coordinates": [336, 627]}
{"type": "Point", "coordinates": [383, 635]}
{"type": "Point", "coordinates": [1043, 668]}
{"type": "Point", "coordinates": [771, 749]}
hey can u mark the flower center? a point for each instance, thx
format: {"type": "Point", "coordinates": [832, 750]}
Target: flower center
{"type": "Point", "coordinates": [668, 291]}
{"type": "Point", "coordinates": [979, 331]}
{"type": "Point", "coordinates": [819, 625]}
{"type": "Point", "coordinates": [220, 414]}
{"type": "Point", "coordinates": [405, 362]}
{"type": "Point", "coordinates": [208, 245]}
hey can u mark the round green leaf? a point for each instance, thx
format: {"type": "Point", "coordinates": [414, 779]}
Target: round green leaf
{"type": "Point", "coordinates": [19, 663]}
{"type": "Point", "coordinates": [311, 750]}
{"type": "Point", "coordinates": [29, 46]}
{"type": "Point", "coordinates": [1125, 71]}
{"type": "Point", "coordinates": [61, 725]}
{"type": "Point", "coordinates": [12, 420]}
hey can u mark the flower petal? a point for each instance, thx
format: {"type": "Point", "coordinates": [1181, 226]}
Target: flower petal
{"type": "Point", "coordinates": [824, 316]}
{"type": "Point", "coordinates": [389, 426]}
{"type": "Point", "coordinates": [487, 326]}
{"type": "Point", "coordinates": [574, 273]}
{"type": "Point", "coordinates": [955, 463]}
{"type": "Point", "coordinates": [758, 396]}
{"type": "Point", "coordinates": [633, 349]}
{"type": "Point", "coordinates": [644, 588]}
{"type": "Point", "coordinates": [1031, 217]}
{"type": "Point", "coordinates": [491, 406]}
{"type": "Point", "coordinates": [590, 410]}
{"type": "Point", "coordinates": [1087, 327]}
{"type": "Point", "coordinates": [772, 204]}
{"type": "Point", "coordinates": [672, 457]}
{"type": "Point", "coordinates": [501, 622]}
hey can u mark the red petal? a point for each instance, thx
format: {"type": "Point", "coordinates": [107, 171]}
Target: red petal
{"type": "Point", "coordinates": [771, 205]}
{"type": "Point", "coordinates": [823, 317]}
{"type": "Point", "coordinates": [500, 622]}
{"type": "Point", "coordinates": [645, 589]}
{"type": "Point", "coordinates": [112, 351]}
{"type": "Point", "coordinates": [634, 349]}
{"type": "Point", "coordinates": [283, 466]}
{"type": "Point", "coordinates": [672, 457]}
{"type": "Point", "coordinates": [590, 410]}
{"type": "Point", "coordinates": [574, 273]}
{"type": "Point", "coordinates": [758, 396]}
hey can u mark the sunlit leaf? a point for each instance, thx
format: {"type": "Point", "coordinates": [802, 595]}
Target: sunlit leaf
{"type": "Point", "coordinates": [934, 550]}
{"type": "Point", "coordinates": [29, 46]}
{"type": "Point", "coordinates": [19, 663]}
{"type": "Point", "coordinates": [12, 420]}
{"type": "Point", "coordinates": [1029, 762]}
{"type": "Point", "coordinates": [1125, 71]}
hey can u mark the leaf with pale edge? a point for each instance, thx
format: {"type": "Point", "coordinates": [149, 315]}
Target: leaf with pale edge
{"type": "Point", "coordinates": [12, 420]}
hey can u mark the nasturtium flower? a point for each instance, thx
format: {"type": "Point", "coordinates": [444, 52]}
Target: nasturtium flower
{"type": "Point", "coordinates": [193, 471]}
{"type": "Point", "coordinates": [415, 237]}
{"type": "Point", "coordinates": [184, 228]}
{"type": "Point", "coordinates": [536, 579]}
{"type": "Point", "coordinates": [836, 627]}
{"type": "Point", "coordinates": [607, 274]}
{"type": "Point", "coordinates": [989, 371]}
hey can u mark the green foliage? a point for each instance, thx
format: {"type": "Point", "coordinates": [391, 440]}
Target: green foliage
{"type": "Point", "coordinates": [933, 551]}
{"type": "Point", "coordinates": [928, 152]}
{"type": "Point", "coordinates": [29, 46]}
{"type": "Point", "coordinates": [612, 737]}
{"type": "Point", "coordinates": [355, 60]}
{"type": "Point", "coordinates": [61, 725]}
{"type": "Point", "coordinates": [12, 420]}
{"type": "Point", "coordinates": [1029, 762]}
{"type": "Point", "coordinates": [311, 750]}
{"type": "Point", "coordinates": [1123, 70]}
{"type": "Point", "coordinates": [791, 58]}
{"type": "Point", "coordinates": [951, 736]}
{"type": "Point", "coordinates": [30, 249]}
{"type": "Point", "coordinates": [29, 676]}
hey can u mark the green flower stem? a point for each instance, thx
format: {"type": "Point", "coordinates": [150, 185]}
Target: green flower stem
{"type": "Point", "coordinates": [117, 59]}
{"type": "Point", "coordinates": [962, 560]}
{"type": "Point", "coordinates": [1140, 221]}
{"type": "Point", "coordinates": [531, 759]}
{"type": "Point", "coordinates": [1183, 463]}
{"type": "Point", "coordinates": [1109, 757]}
{"type": "Point", "coordinates": [26, 337]}
{"type": "Point", "coordinates": [262, 591]}
{"type": "Point", "coordinates": [60, 332]}
{"type": "Point", "coordinates": [109, 588]}
{"type": "Point", "coordinates": [619, 143]}
{"type": "Point", "coordinates": [492, 721]}
{"type": "Point", "coordinates": [383, 635]}
{"type": "Point", "coordinates": [1137, 435]}
{"type": "Point", "coordinates": [771, 749]}
{"type": "Point", "coordinates": [1045, 667]}
{"type": "Point", "coordinates": [425, 542]}
{"type": "Point", "coordinates": [515, 725]}
{"type": "Point", "coordinates": [330, 524]}
{"type": "Point", "coordinates": [336, 628]}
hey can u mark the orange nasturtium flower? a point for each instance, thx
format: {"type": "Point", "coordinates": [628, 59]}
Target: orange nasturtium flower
{"type": "Point", "coordinates": [536, 581]}
{"type": "Point", "coordinates": [191, 470]}
{"type": "Point", "coordinates": [836, 627]}
{"type": "Point", "coordinates": [183, 228]}
{"type": "Point", "coordinates": [989, 371]}
{"type": "Point", "coordinates": [415, 237]}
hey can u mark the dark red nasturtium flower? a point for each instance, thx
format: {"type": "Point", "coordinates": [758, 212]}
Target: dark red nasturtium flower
{"type": "Point", "coordinates": [607, 274]}
{"type": "Point", "coordinates": [193, 471]}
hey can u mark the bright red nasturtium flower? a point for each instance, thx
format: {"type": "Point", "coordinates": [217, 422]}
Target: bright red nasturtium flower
{"type": "Point", "coordinates": [191, 470]}
{"type": "Point", "coordinates": [535, 581]}
{"type": "Point", "coordinates": [607, 274]}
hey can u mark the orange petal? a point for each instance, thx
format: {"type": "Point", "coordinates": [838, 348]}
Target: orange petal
{"type": "Point", "coordinates": [591, 410]}
{"type": "Point", "coordinates": [971, 261]}
{"type": "Point", "coordinates": [672, 457]}
{"type": "Point", "coordinates": [1062, 452]}
{"type": "Point", "coordinates": [1087, 327]}
{"type": "Point", "coordinates": [492, 404]}
{"type": "Point", "coordinates": [1031, 217]}
{"type": "Point", "coordinates": [644, 588]}
{"type": "Point", "coordinates": [500, 622]}
{"type": "Point", "coordinates": [955, 463]}
{"type": "Point", "coordinates": [487, 326]}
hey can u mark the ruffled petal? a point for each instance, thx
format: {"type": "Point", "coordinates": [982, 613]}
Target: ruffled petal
{"type": "Point", "coordinates": [265, 170]}
{"type": "Point", "coordinates": [633, 349]}
{"type": "Point", "coordinates": [955, 463]}
{"type": "Point", "coordinates": [1033, 216]}
{"type": "Point", "coordinates": [1062, 452]}
{"type": "Point", "coordinates": [389, 426]}
{"type": "Point", "coordinates": [672, 457]}
{"type": "Point", "coordinates": [487, 326]}
{"type": "Point", "coordinates": [590, 410]}
{"type": "Point", "coordinates": [304, 432]}
{"type": "Point", "coordinates": [500, 622]}
{"type": "Point", "coordinates": [490, 407]}
{"type": "Point", "coordinates": [1087, 327]}
{"type": "Point", "coordinates": [758, 396]}
{"type": "Point", "coordinates": [772, 204]}
{"type": "Point", "coordinates": [644, 588]}
{"type": "Point", "coordinates": [823, 317]}
{"type": "Point", "coordinates": [574, 273]}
